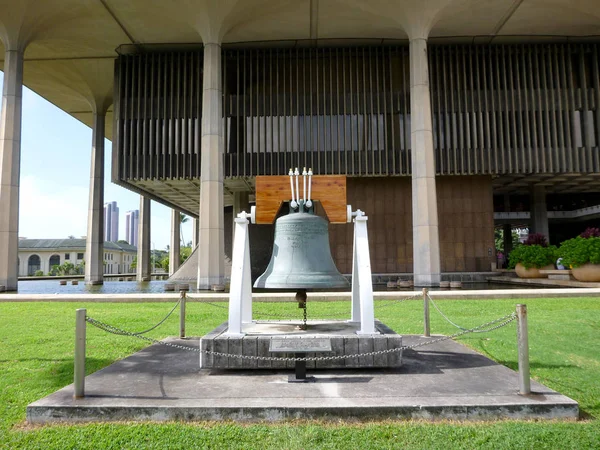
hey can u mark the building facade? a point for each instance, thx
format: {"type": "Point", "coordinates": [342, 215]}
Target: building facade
{"type": "Point", "coordinates": [131, 227]}
{"type": "Point", "coordinates": [111, 221]}
{"type": "Point", "coordinates": [44, 254]}
{"type": "Point", "coordinates": [449, 117]}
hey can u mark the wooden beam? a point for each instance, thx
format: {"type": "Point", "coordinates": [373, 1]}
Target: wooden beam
{"type": "Point", "coordinates": [329, 190]}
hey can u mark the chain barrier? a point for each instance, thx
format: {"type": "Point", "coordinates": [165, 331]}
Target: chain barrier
{"type": "Point", "coordinates": [377, 305]}
{"type": "Point", "coordinates": [448, 319]}
{"type": "Point", "coordinates": [497, 323]}
{"type": "Point", "coordinates": [155, 326]}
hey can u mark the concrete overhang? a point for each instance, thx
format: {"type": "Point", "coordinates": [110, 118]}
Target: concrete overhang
{"type": "Point", "coordinates": [70, 45]}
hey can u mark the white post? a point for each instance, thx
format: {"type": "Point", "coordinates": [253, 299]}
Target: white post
{"type": "Point", "coordinates": [182, 315]}
{"type": "Point", "coordinates": [523, 344]}
{"type": "Point", "coordinates": [79, 359]}
{"type": "Point", "coordinates": [426, 323]}
{"type": "Point", "coordinates": [355, 316]}
{"type": "Point", "coordinates": [362, 266]}
{"type": "Point", "coordinates": [240, 291]}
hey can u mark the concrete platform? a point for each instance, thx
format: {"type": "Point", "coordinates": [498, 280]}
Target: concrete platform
{"type": "Point", "coordinates": [341, 335]}
{"type": "Point", "coordinates": [442, 381]}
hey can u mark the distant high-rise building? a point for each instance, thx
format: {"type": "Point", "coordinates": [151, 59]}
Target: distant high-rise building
{"type": "Point", "coordinates": [131, 227]}
{"type": "Point", "coordinates": [111, 222]}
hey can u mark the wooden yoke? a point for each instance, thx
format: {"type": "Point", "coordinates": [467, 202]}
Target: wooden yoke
{"type": "Point", "coordinates": [329, 190]}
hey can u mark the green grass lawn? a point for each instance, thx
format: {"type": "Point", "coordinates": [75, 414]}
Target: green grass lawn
{"type": "Point", "coordinates": [36, 358]}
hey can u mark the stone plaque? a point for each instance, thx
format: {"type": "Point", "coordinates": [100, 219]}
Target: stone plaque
{"type": "Point", "coordinates": [304, 345]}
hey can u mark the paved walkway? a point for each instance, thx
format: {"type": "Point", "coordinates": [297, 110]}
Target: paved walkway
{"type": "Point", "coordinates": [442, 380]}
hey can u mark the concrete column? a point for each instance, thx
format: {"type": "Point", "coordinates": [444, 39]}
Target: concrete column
{"type": "Point", "coordinates": [507, 232]}
{"type": "Point", "coordinates": [211, 240]}
{"type": "Point", "coordinates": [94, 246]}
{"type": "Point", "coordinates": [195, 226]}
{"type": "Point", "coordinates": [426, 245]}
{"type": "Point", "coordinates": [539, 213]}
{"type": "Point", "coordinates": [10, 168]}
{"type": "Point", "coordinates": [144, 266]}
{"type": "Point", "coordinates": [174, 248]}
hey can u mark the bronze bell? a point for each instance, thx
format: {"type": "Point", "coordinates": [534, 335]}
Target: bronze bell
{"type": "Point", "coordinates": [301, 256]}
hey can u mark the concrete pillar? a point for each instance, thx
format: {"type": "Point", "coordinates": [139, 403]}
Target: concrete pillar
{"type": "Point", "coordinates": [507, 234]}
{"type": "Point", "coordinates": [539, 213]}
{"type": "Point", "coordinates": [94, 246]}
{"type": "Point", "coordinates": [144, 266]}
{"type": "Point", "coordinates": [426, 244]}
{"type": "Point", "coordinates": [174, 248]}
{"type": "Point", "coordinates": [10, 168]}
{"type": "Point", "coordinates": [211, 259]}
{"type": "Point", "coordinates": [195, 227]}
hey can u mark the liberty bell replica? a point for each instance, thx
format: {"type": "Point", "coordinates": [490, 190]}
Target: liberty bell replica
{"type": "Point", "coordinates": [301, 256]}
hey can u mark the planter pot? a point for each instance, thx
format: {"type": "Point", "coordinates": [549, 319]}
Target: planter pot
{"type": "Point", "coordinates": [588, 272]}
{"type": "Point", "coordinates": [532, 272]}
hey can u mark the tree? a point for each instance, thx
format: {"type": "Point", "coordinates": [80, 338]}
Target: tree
{"type": "Point", "coordinates": [182, 219]}
{"type": "Point", "coordinates": [71, 236]}
{"type": "Point", "coordinates": [499, 239]}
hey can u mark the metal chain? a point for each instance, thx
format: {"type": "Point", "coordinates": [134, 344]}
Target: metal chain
{"type": "Point", "coordinates": [501, 322]}
{"type": "Point", "coordinates": [157, 325]}
{"type": "Point", "coordinates": [448, 319]}
{"type": "Point", "coordinates": [337, 315]}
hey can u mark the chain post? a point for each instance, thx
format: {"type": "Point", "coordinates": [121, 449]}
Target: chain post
{"type": "Point", "coordinates": [79, 359]}
{"type": "Point", "coordinates": [182, 296]}
{"type": "Point", "coordinates": [426, 331]}
{"type": "Point", "coordinates": [523, 348]}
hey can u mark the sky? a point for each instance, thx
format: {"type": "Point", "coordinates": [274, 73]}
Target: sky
{"type": "Point", "coordinates": [55, 177]}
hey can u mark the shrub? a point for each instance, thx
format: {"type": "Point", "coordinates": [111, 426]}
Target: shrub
{"type": "Point", "coordinates": [39, 273]}
{"type": "Point", "coordinates": [590, 232]}
{"type": "Point", "coordinates": [530, 256]}
{"type": "Point", "coordinates": [579, 251]}
{"type": "Point", "coordinates": [536, 239]}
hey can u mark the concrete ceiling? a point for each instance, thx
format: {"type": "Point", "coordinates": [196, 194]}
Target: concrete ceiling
{"type": "Point", "coordinates": [70, 44]}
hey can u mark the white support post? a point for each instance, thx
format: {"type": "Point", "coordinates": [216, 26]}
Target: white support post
{"type": "Point", "coordinates": [362, 285]}
{"type": "Point", "coordinates": [79, 359]}
{"type": "Point", "coordinates": [240, 291]}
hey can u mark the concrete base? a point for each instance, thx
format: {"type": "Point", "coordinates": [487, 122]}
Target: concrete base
{"type": "Point", "coordinates": [343, 336]}
{"type": "Point", "coordinates": [444, 380]}
{"type": "Point", "coordinates": [544, 282]}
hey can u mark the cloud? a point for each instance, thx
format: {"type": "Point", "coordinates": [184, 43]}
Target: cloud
{"type": "Point", "coordinates": [52, 209]}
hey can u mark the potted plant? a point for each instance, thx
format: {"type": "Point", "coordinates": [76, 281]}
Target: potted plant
{"type": "Point", "coordinates": [582, 255]}
{"type": "Point", "coordinates": [534, 254]}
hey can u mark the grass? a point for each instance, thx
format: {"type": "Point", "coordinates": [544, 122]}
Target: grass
{"type": "Point", "coordinates": [36, 358]}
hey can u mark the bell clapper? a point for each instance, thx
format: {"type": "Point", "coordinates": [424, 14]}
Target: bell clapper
{"type": "Point", "coordinates": [293, 204]}
{"type": "Point", "coordinates": [308, 202]}
{"type": "Point", "coordinates": [297, 174]}
{"type": "Point", "coordinates": [301, 299]}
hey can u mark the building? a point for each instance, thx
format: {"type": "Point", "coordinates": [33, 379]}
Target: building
{"type": "Point", "coordinates": [131, 226]}
{"type": "Point", "coordinates": [449, 117]}
{"type": "Point", "coordinates": [111, 221]}
{"type": "Point", "coordinates": [43, 254]}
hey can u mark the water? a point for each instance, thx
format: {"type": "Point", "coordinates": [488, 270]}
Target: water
{"type": "Point", "coordinates": [158, 287]}
{"type": "Point", "coordinates": [109, 287]}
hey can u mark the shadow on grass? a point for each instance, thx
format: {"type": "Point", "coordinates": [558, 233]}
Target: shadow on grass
{"type": "Point", "coordinates": [57, 373]}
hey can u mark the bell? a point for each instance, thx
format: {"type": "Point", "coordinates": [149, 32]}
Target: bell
{"type": "Point", "coordinates": [301, 257]}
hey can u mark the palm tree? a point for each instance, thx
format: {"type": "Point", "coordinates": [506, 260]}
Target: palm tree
{"type": "Point", "coordinates": [182, 219]}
